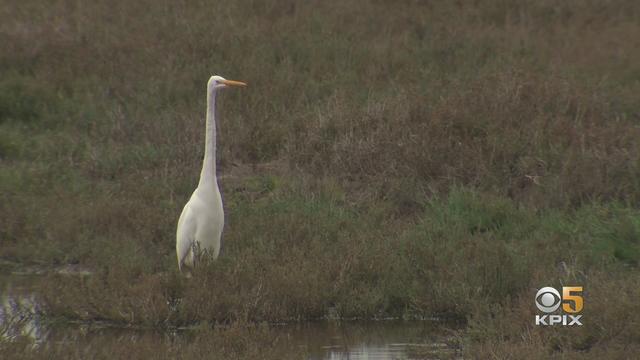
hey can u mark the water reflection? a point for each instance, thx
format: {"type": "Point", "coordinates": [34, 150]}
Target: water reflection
{"type": "Point", "coordinates": [19, 314]}
{"type": "Point", "coordinates": [334, 340]}
{"type": "Point", "coordinates": [355, 340]}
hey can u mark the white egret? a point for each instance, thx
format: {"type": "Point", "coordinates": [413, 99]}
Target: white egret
{"type": "Point", "coordinates": [202, 219]}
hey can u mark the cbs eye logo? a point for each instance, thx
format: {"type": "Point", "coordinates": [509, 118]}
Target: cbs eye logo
{"type": "Point", "coordinates": [548, 300]}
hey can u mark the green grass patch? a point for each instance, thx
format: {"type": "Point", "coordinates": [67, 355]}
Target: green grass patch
{"type": "Point", "coordinates": [405, 159]}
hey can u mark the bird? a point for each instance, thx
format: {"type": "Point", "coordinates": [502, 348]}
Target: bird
{"type": "Point", "coordinates": [202, 219]}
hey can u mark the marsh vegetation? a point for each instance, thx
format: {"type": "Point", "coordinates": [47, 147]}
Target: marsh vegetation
{"type": "Point", "coordinates": [406, 159]}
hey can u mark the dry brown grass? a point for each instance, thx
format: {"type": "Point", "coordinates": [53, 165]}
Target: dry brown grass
{"type": "Point", "coordinates": [427, 153]}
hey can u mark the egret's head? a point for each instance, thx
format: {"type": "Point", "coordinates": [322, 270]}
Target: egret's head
{"type": "Point", "coordinates": [218, 82]}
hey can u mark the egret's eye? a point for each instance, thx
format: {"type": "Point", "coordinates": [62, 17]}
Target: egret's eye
{"type": "Point", "coordinates": [548, 299]}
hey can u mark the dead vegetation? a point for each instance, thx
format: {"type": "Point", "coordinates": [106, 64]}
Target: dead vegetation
{"type": "Point", "coordinates": [388, 159]}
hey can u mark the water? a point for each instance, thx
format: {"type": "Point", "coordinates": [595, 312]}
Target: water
{"type": "Point", "coordinates": [360, 340]}
{"type": "Point", "coordinates": [335, 340]}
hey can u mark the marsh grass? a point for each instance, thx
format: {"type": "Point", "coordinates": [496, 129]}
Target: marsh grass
{"type": "Point", "coordinates": [409, 159]}
{"type": "Point", "coordinates": [236, 341]}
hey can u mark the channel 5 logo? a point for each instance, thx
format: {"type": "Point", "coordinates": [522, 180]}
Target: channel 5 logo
{"type": "Point", "coordinates": [548, 300]}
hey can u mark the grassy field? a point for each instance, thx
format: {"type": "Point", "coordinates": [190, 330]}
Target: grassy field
{"type": "Point", "coordinates": [389, 158]}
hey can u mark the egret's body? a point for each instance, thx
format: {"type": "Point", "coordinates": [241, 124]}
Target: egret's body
{"type": "Point", "coordinates": [200, 226]}
{"type": "Point", "coordinates": [202, 219]}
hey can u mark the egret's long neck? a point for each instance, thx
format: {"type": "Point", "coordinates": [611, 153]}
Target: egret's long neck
{"type": "Point", "coordinates": [208, 174]}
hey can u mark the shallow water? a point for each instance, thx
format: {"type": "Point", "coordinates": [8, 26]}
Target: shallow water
{"type": "Point", "coordinates": [355, 340]}
{"type": "Point", "coordinates": [389, 339]}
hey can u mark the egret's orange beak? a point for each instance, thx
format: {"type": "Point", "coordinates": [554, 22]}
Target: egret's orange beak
{"type": "Point", "coordinates": [232, 83]}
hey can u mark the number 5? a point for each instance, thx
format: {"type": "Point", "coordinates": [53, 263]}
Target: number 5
{"type": "Point", "coordinates": [577, 299]}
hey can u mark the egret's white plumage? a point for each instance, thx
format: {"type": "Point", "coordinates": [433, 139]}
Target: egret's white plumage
{"type": "Point", "coordinates": [202, 219]}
